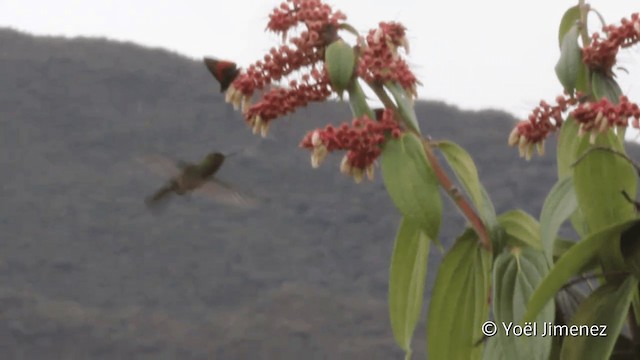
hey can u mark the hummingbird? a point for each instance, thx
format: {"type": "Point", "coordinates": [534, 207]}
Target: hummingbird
{"type": "Point", "coordinates": [186, 178]}
{"type": "Point", "coordinates": [224, 71]}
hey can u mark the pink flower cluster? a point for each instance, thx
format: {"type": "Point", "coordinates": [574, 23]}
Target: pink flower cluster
{"type": "Point", "coordinates": [304, 51]}
{"type": "Point", "coordinates": [362, 140]}
{"type": "Point", "coordinates": [543, 119]}
{"type": "Point", "coordinates": [598, 117]}
{"type": "Point", "coordinates": [313, 13]}
{"type": "Point", "coordinates": [379, 61]}
{"type": "Point", "coordinates": [601, 53]}
{"type": "Point", "coordinates": [593, 117]}
{"type": "Point", "coordinates": [279, 101]}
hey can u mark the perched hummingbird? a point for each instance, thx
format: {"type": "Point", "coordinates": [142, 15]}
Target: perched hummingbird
{"type": "Point", "coordinates": [187, 177]}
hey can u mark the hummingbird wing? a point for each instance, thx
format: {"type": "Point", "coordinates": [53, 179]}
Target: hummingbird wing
{"type": "Point", "coordinates": [224, 193]}
{"type": "Point", "coordinates": [162, 165]}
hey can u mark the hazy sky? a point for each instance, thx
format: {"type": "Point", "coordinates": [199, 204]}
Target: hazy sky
{"type": "Point", "coordinates": [474, 54]}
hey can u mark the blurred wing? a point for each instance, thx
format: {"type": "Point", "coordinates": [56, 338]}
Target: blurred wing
{"type": "Point", "coordinates": [161, 165]}
{"type": "Point", "coordinates": [224, 193]}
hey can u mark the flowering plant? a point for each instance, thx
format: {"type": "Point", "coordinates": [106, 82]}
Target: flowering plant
{"type": "Point", "coordinates": [510, 268]}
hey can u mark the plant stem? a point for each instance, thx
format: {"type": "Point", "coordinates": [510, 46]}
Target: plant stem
{"type": "Point", "coordinates": [584, 31]}
{"type": "Point", "coordinates": [386, 100]}
{"type": "Point", "coordinates": [443, 178]}
{"type": "Point", "coordinates": [458, 199]}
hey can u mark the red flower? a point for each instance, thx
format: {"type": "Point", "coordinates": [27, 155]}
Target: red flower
{"type": "Point", "coordinates": [379, 61]}
{"type": "Point", "coordinates": [543, 120]}
{"type": "Point", "coordinates": [279, 101]}
{"type": "Point", "coordinates": [593, 117]}
{"type": "Point", "coordinates": [362, 140]}
{"type": "Point", "coordinates": [321, 25]}
{"type": "Point", "coordinates": [598, 117]}
{"type": "Point", "coordinates": [303, 52]}
{"type": "Point", "coordinates": [312, 13]}
{"type": "Point", "coordinates": [601, 54]}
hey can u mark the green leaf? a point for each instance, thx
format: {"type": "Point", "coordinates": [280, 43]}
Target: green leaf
{"type": "Point", "coordinates": [488, 211]}
{"type": "Point", "coordinates": [406, 281]}
{"type": "Point", "coordinates": [488, 214]}
{"type": "Point", "coordinates": [465, 170]}
{"type": "Point", "coordinates": [349, 28]}
{"type": "Point", "coordinates": [576, 258]}
{"type": "Point", "coordinates": [405, 105]}
{"type": "Point", "coordinates": [557, 208]}
{"type": "Point", "coordinates": [569, 19]}
{"type": "Point", "coordinates": [604, 86]}
{"type": "Point", "coordinates": [599, 177]}
{"type": "Point", "coordinates": [630, 248]}
{"type": "Point", "coordinates": [358, 101]}
{"type": "Point", "coordinates": [411, 182]}
{"type": "Point", "coordinates": [515, 276]}
{"type": "Point", "coordinates": [569, 65]}
{"type": "Point", "coordinates": [582, 82]}
{"type": "Point", "coordinates": [568, 141]}
{"type": "Point", "coordinates": [567, 302]}
{"type": "Point", "coordinates": [607, 306]}
{"type": "Point", "coordinates": [521, 228]}
{"type": "Point", "coordinates": [635, 302]}
{"type": "Point", "coordinates": [459, 301]}
{"type": "Point", "coordinates": [493, 350]}
{"type": "Point", "coordinates": [561, 246]}
{"type": "Point", "coordinates": [340, 60]}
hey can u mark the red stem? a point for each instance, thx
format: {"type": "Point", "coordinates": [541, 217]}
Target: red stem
{"type": "Point", "coordinates": [457, 198]}
{"type": "Point", "coordinates": [443, 178]}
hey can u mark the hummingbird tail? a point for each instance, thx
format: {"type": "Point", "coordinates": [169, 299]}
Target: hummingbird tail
{"type": "Point", "coordinates": [160, 196]}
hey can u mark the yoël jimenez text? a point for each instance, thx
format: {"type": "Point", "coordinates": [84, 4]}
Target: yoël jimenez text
{"type": "Point", "coordinates": [551, 329]}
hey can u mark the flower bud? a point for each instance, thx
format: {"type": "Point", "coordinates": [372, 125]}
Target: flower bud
{"type": "Point", "coordinates": [522, 144]}
{"type": "Point", "coordinates": [264, 129]}
{"type": "Point", "coordinates": [528, 152]}
{"type": "Point", "coordinates": [246, 103]}
{"type": "Point", "coordinates": [514, 137]}
{"type": "Point", "coordinates": [604, 123]}
{"type": "Point", "coordinates": [358, 175]}
{"type": "Point", "coordinates": [377, 35]}
{"type": "Point", "coordinates": [257, 123]}
{"type": "Point", "coordinates": [315, 139]}
{"type": "Point", "coordinates": [540, 147]}
{"type": "Point", "coordinates": [581, 130]}
{"type": "Point", "coordinates": [229, 94]}
{"type": "Point", "coordinates": [318, 155]}
{"type": "Point", "coordinates": [370, 172]}
{"type": "Point", "coordinates": [345, 168]}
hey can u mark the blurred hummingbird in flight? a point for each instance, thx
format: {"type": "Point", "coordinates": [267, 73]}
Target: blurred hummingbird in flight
{"type": "Point", "coordinates": [186, 178]}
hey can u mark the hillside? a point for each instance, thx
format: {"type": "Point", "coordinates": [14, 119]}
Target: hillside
{"type": "Point", "coordinates": [86, 271]}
